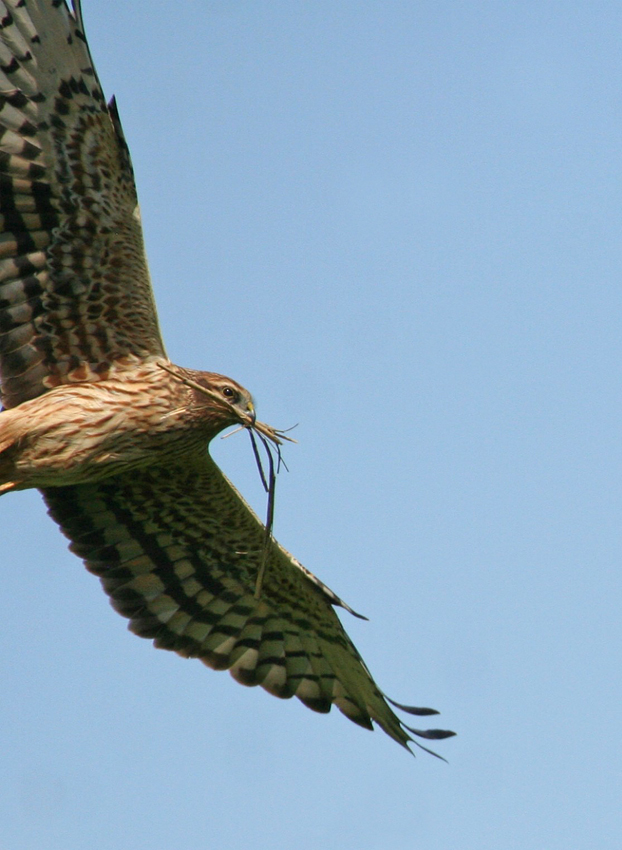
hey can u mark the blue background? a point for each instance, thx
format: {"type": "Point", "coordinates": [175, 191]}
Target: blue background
{"type": "Point", "coordinates": [398, 224]}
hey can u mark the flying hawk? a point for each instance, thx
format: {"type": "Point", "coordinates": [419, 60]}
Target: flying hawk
{"type": "Point", "coordinates": [112, 433]}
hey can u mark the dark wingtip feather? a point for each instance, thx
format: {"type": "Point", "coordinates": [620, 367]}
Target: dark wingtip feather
{"type": "Point", "coordinates": [429, 734]}
{"type": "Point", "coordinates": [411, 709]}
{"type": "Point", "coordinates": [427, 750]}
{"type": "Point", "coordinates": [432, 734]}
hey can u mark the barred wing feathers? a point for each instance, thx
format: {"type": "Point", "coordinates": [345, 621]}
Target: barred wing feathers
{"type": "Point", "coordinates": [75, 295]}
{"type": "Point", "coordinates": [178, 551]}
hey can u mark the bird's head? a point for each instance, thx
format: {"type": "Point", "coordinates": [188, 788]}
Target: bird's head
{"type": "Point", "coordinates": [223, 398]}
{"type": "Point", "coordinates": [222, 402]}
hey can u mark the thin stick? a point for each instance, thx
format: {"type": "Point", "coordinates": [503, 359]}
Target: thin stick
{"type": "Point", "coordinates": [270, 488]}
{"type": "Point", "coordinates": [258, 461]}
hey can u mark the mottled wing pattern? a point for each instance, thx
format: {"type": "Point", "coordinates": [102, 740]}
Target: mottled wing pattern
{"type": "Point", "coordinates": [178, 551]}
{"type": "Point", "coordinates": [75, 296]}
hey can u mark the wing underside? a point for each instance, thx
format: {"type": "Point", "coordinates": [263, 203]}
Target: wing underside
{"type": "Point", "coordinates": [178, 552]}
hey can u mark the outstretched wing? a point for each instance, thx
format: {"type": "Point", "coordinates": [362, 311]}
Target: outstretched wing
{"type": "Point", "coordinates": [178, 551]}
{"type": "Point", "coordinates": [75, 296]}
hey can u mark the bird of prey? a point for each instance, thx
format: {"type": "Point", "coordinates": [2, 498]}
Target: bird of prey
{"type": "Point", "coordinates": [112, 433]}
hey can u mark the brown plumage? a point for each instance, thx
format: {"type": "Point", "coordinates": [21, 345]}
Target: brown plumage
{"type": "Point", "coordinates": [115, 436]}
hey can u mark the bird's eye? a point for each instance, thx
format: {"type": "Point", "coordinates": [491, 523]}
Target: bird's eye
{"type": "Point", "coordinates": [229, 393]}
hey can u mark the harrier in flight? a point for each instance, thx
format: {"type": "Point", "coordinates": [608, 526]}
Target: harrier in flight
{"type": "Point", "coordinates": [112, 433]}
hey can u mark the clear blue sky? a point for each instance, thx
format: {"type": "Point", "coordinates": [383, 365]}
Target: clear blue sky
{"type": "Point", "coordinates": [398, 224]}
